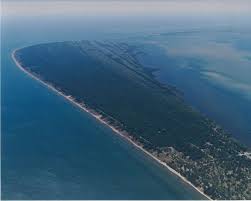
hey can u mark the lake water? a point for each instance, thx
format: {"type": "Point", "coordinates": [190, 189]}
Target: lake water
{"type": "Point", "coordinates": [211, 68]}
{"type": "Point", "coordinates": [50, 149]}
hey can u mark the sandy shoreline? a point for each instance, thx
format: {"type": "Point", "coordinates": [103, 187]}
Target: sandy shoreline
{"type": "Point", "coordinates": [98, 117]}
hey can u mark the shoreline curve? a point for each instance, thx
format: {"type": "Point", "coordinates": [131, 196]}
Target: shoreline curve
{"type": "Point", "coordinates": [98, 118]}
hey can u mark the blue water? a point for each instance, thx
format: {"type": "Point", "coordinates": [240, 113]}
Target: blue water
{"type": "Point", "coordinates": [212, 69]}
{"type": "Point", "coordinates": [50, 149]}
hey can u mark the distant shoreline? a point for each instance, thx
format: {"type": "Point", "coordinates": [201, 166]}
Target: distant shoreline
{"type": "Point", "coordinates": [98, 117]}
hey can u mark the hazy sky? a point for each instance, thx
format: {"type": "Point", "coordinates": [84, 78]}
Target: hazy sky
{"type": "Point", "coordinates": [126, 7]}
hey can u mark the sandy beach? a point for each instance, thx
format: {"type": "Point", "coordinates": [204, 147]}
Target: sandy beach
{"type": "Point", "coordinates": [99, 118]}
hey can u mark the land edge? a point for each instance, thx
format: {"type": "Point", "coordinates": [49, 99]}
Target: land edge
{"type": "Point", "coordinates": [97, 117]}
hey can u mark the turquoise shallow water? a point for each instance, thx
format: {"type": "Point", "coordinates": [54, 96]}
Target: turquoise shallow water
{"type": "Point", "coordinates": [212, 70]}
{"type": "Point", "coordinates": [51, 150]}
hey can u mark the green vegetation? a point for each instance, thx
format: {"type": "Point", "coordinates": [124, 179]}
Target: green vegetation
{"type": "Point", "coordinates": [110, 80]}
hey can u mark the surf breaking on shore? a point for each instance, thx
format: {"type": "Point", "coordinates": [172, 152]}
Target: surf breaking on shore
{"type": "Point", "coordinates": [98, 117]}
